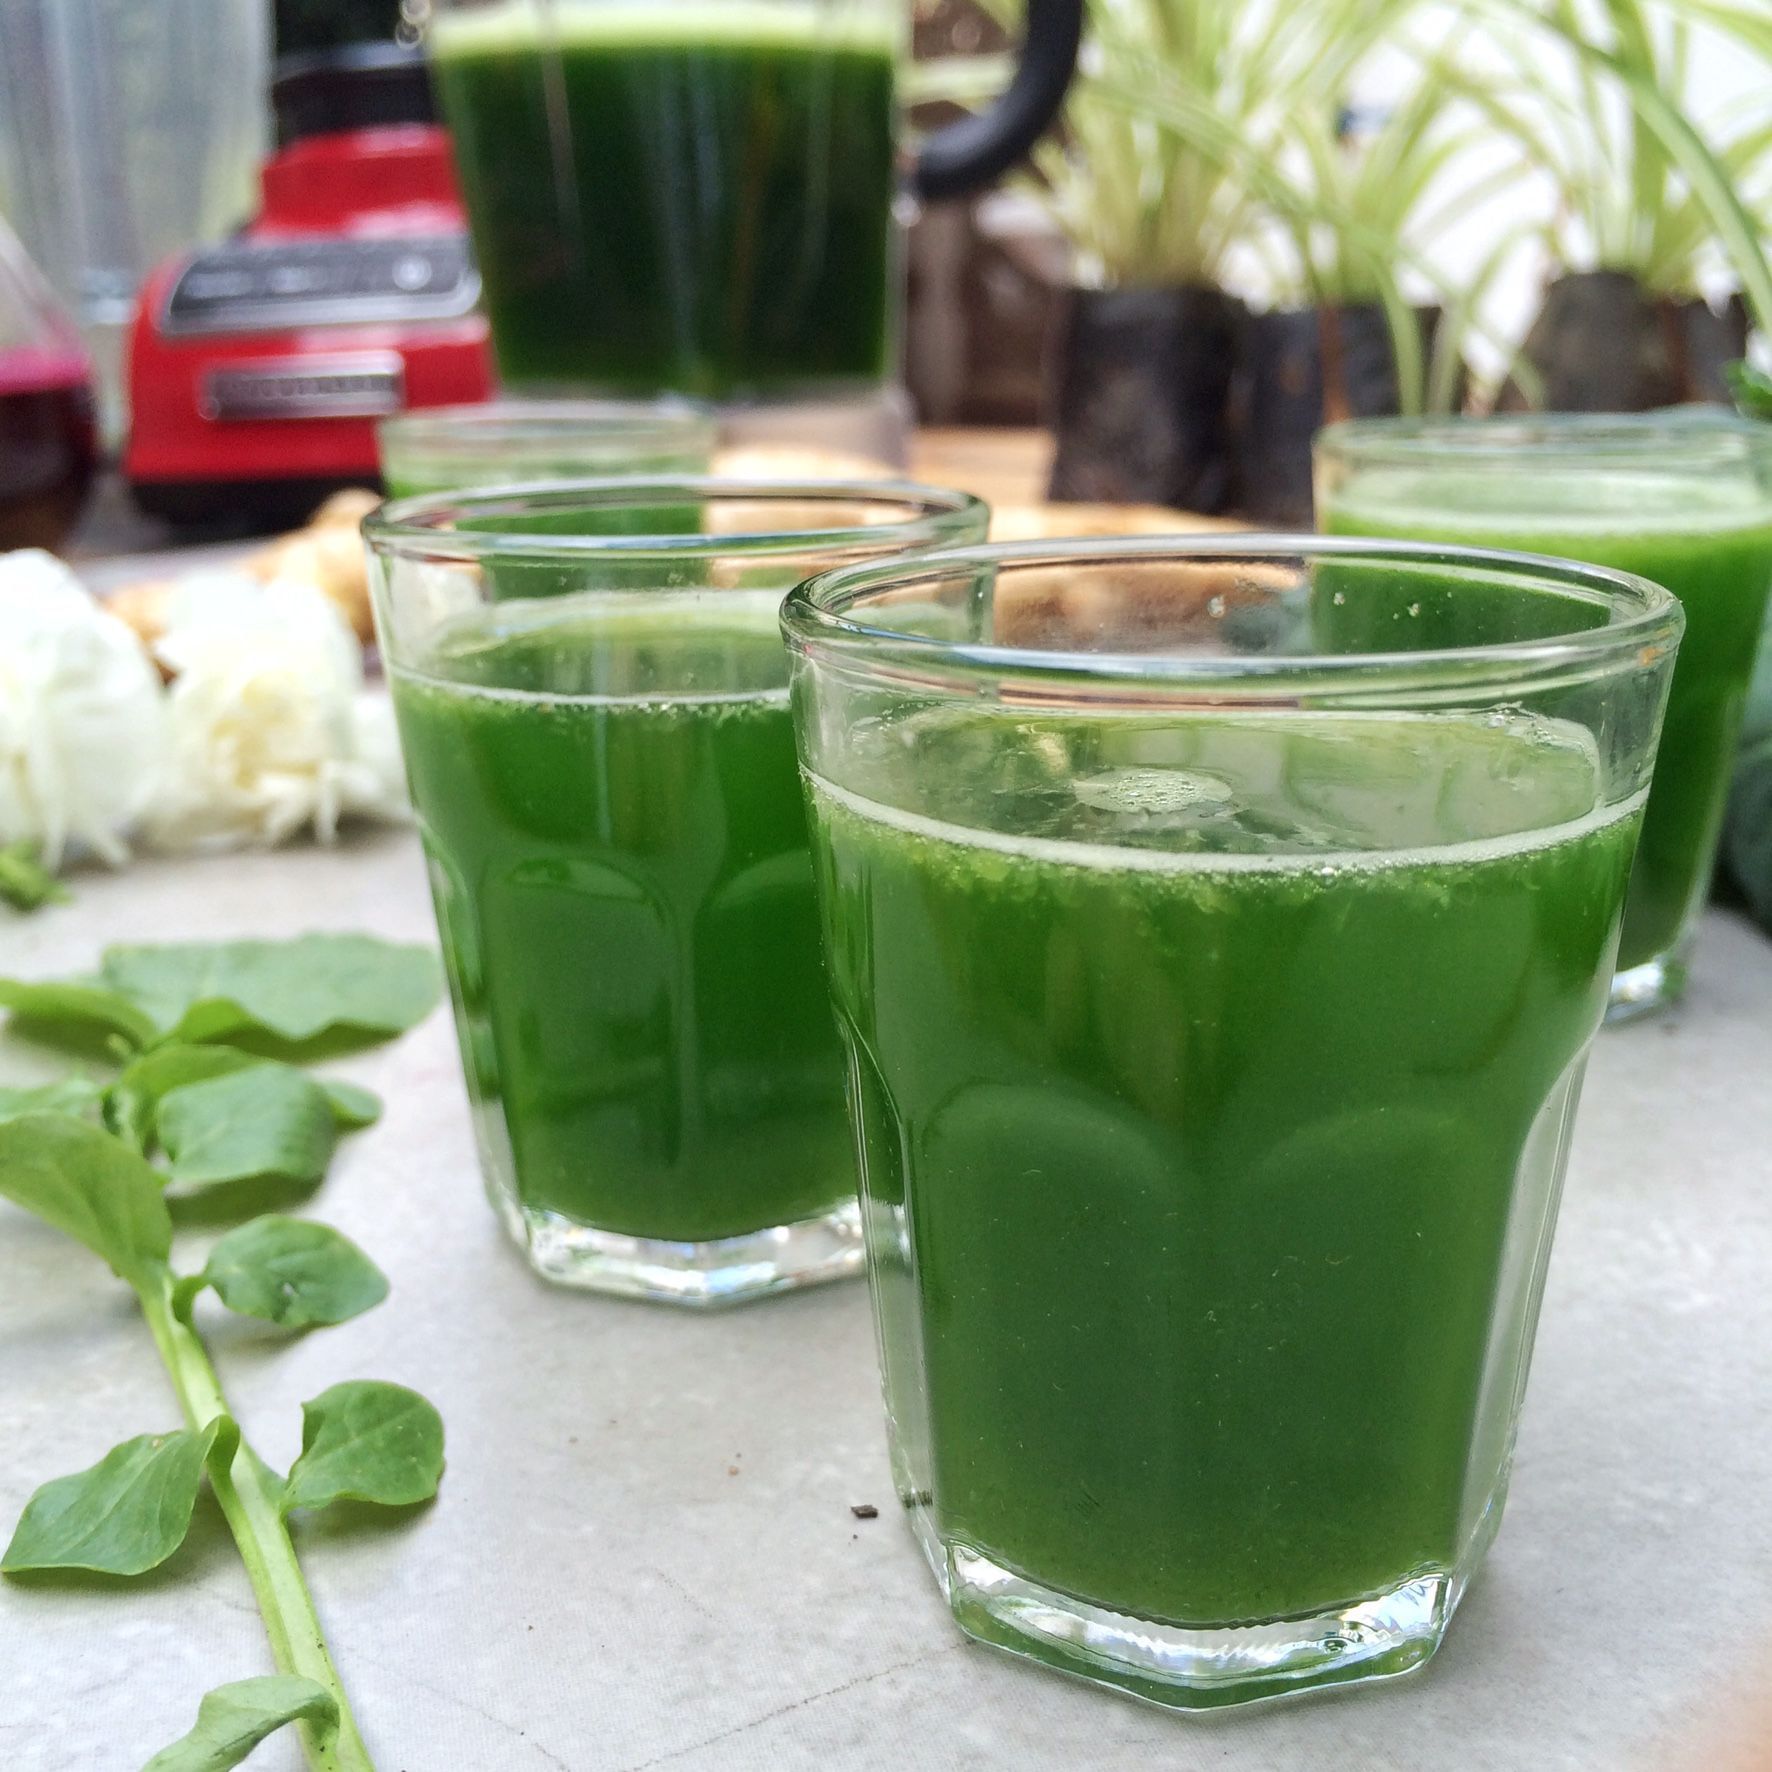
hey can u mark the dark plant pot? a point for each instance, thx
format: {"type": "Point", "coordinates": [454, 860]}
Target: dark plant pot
{"type": "Point", "coordinates": [1304, 368]}
{"type": "Point", "coordinates": [1601, 344]}
{"type": "Point", "coordinates": [1143, 398]}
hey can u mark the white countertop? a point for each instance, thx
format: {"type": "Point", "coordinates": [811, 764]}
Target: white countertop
{"type": "Point", "coordinates": [643, 1555]}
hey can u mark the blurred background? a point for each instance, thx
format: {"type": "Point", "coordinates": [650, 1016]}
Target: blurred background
{"type": "Point", "coordinates": [1252, 216]}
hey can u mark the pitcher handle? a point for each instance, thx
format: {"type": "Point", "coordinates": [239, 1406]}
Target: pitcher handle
{"type": "Point", "coordinates": [971, 152]}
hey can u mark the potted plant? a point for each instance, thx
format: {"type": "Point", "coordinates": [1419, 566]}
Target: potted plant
{"type": "Point", "coordinates": [1365, 197]}
{"type": "Point", "coordinates": [1596, 97]}
{"type": "Point", "coordinates": [1201, 133]}
{"type": "Point", "coordinates": [1148, 334]}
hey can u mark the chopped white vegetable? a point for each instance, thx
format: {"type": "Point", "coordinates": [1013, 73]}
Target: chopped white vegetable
{"type": "Point", "coordinates": [82, 717]}
{"type": "Point", "coordinates": [269, 729]}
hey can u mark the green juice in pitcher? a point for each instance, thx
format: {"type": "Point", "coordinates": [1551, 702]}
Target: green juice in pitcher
{"type": "Point", "coordinates": [1218, 1110]}
{"type": "Point", "coordinates": [617, 840]}
{"type": "Point", "coordinates": [694, 196]}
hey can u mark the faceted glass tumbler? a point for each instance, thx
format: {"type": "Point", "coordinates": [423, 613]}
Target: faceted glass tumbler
{"type": "Point", "coordinates": [1216, 987]}
{"type": "Point", "coordinates": [514, 442]}
{"type": "Point", "coordinates": [591, 690]}
{"type": "Point", "coordinates": [1682, 497]}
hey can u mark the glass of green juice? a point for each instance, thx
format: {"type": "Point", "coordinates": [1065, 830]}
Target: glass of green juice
{"type": "Point", "coordinates": [591, 691]}
{"type": "Point", "coordinates": [696, 195]}
{"type": "Point", "coordinates": [1215, 998]}
{"type": "Point", "coordinates": [1683, 499]}
{"type": "Point", "coordinates": [512, 442]}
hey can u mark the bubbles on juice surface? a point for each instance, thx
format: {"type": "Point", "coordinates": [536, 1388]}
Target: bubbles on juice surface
{"type": "Point", "coordinates": [1229, 782]}
{"type": "Point", "coordinates": [1154, 793]}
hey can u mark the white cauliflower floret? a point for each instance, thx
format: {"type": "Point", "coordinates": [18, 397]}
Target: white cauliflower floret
{"type": "Point", "coordinates": [270, 726]}
{"type": "Point", "coordinates": [82, 717]}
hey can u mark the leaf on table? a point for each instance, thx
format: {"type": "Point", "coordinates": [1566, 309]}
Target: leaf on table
{"type": "Point", "coordinates": [67, 1095]}
{"type": "Point", "coordinates": [133, 1101]}
{"type": "Point", "coordinates": [233, 1719]}
{"type": "Point", "coordinates": [25, 883]}
{"type": "Point", "coordinates": [291, 991]}
{"type": "Point", "coordinates": [293, 1272]}
{"type": "Point", "coordinates": [76, 1006]}
{"type": "Point", "coordinates": [89, 1185]}
{"type": "Point", "coordinates": [124, 1515]}
{"type": "Point", "coordinates": [366, 1441]}
{"type": "Point", "coordinates": [353, 1106]}
{"type": "Point", "coordinates": [268, 1120]}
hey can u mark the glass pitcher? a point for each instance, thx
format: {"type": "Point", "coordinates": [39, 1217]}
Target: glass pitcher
{"type": "Point", "coordinates": [698, 197]}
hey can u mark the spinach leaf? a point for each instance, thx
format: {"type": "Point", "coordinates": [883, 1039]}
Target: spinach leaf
{"type": "Point", "coordinates": [366, 1441]}
{"type": "Point", "coordinates": [233, 1719]}
{"type": "Point", "coordinates": [126, 1514]}
{"type": "Point", "coordinates": [25, 883]}
{"type": "Point", "coordinates": [292, 991]}
{"type": "Point", "coordinates": [77, 1177]}
{"type": "Point", "coordinates": [78, 1008]}
{"type": "Point", "coordinates": [268, 1120]}
{"type": "Point", "coordinates": [68, 1095]}
{"type": "Point", "coordinates": [133, 1102]}
{"type": "Point", "coordinates": [353, 1106]}
{"type": "Point", "coordinates": [293, 1272]}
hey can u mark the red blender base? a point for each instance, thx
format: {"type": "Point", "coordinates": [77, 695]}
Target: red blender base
{"type": "Point", "coordinates": [259, 366]}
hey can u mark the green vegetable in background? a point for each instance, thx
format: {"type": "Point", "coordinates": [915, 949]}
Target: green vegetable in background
{"type": "Point", "coordinates": [25, 883]}
{"type": "Point", "coordinates": [135, 1098]}
{"type": "Point", "coordinates": [1753, 390]}
{"type": "Point", "coordinates": [288, 995]}
{"type": "Point", "coordinates": [291, 991]}
{"type": "Point", "coordinates": [80, 1157]}
{"type": "Point", "coordinates": [67, 1095]}
{"type": "Point", "coordinates": [264, 1121]}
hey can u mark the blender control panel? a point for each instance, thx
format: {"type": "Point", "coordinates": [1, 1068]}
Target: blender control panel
{"type": "Point", "coordinates": [258, 286]}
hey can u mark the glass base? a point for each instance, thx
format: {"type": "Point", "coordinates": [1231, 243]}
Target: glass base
{"type": "Point", "coordinates": [1201, 1668]}
{"type": "Point", "coordinates": [697, 1276]}
{"type": "Point", "coordinates": [1643, 990]}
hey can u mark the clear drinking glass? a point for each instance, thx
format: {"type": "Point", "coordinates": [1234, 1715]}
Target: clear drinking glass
{"type": "Point", "coordinates": [702, 197]}
{"type": "Point", "coordinates": [510, 442]}
{"type": "Point", "coordinates": [1216, 992]}
{"type": "Point", "coordinates": [1683, 499]}
{"type": "Point", "coordinates": [592, 696]}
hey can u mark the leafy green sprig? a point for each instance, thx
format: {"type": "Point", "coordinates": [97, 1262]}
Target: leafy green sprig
{"type": "Point", "coordinates": [25, 883]}
{"type": "Point", "coordinates": [204, 1035]}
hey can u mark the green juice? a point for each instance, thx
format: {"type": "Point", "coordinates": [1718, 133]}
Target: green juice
{"type": "Point", "coordinates": [686, 196]}
{"type": "Point", "coordinates": [619, 857]}
{"type": "Point", "coordinates": [1708, 543]}
{"type": "Point", "coordinates": [493, 471]}
{"type": "Point", "coordinates": [1211, 1127]}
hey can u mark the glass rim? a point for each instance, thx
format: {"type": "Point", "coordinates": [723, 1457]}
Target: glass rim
{"type": "Point", "coordinates": [477, 425]}
{"type": "Point", "coordinates": [420, 528]}
{"type": "Point", "coordinates": [1652, 619]}
{"type": "Point", "coordinates": [1707, 436]}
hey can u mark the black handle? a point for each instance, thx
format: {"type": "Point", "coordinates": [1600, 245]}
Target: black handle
{"type": "Point", "coordinates": [975, 150]}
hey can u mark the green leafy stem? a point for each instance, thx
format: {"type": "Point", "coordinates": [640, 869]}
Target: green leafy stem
{"type": "Point", "coordinates": [224, 1117]}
